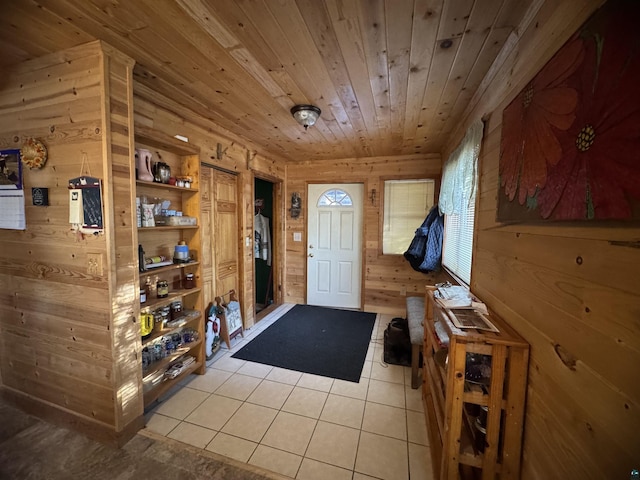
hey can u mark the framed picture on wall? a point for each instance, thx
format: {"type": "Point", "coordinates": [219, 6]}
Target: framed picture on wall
{"type": "Point", "coordinates": [570, 146]}
{"type": "Point", "coordinates": [10, 170]}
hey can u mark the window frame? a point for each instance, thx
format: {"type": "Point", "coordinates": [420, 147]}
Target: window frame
{"type": "Point", "coordinates": [471, 130]}
{"type": "Point", "coordinates": [380, 205]}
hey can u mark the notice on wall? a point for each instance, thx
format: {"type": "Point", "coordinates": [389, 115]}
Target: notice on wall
{"type": "Point", "coordinates": [11, 191]}
{"type": "Point", "coordinates": [85, 204]}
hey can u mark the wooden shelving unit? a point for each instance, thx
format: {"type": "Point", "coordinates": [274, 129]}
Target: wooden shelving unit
{"type": "Point", "coordinates": [160, 240]}
{"type": "Point", "coordinates": [453, 402]}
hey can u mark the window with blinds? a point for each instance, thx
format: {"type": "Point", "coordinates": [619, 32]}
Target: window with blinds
{"type": "Point", "coordinates": [458, 203]}
{"type": "Point", "coordinates": [458, 242]}
{"type": "Point", "coordinates": [406, 205]}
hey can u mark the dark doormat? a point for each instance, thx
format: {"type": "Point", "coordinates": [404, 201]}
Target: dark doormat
{"type": "Point", "coordinates": [310, 339]}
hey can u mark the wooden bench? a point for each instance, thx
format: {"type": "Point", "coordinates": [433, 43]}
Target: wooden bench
{"type": "Point", "coordinates": [415, 318]}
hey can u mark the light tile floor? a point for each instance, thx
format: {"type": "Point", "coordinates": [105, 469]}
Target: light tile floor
{"type": "Point", "coordinates": [303, 426]}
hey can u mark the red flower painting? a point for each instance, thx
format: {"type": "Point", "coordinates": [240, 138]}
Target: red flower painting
{"type": "Point", "coordinates": [599, 174]}
{"type": "Point", "coordinates": [529, 142]}
{"type": "Point", "coordinates": [575, 152]}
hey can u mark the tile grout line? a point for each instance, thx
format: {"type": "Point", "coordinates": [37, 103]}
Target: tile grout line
{"type": "Point", "coordinates": [374, 344]}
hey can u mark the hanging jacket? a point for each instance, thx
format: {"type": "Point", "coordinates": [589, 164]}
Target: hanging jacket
{"type": "Point", "coordinates": [425, 252]}
{"type": "Point", "coordinates": [262, 244]}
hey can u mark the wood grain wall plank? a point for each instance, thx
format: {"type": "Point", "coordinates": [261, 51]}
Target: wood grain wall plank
{"type": "Point", "coordinates": [583, 414]}
{"type": "Point", "coordinates": [386, 278]}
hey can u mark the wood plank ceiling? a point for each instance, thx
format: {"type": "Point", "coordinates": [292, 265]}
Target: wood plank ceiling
{"type": "Point", "coordinates": [391, 77]}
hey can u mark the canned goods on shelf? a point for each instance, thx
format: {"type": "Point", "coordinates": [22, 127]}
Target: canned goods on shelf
{"type": "Point", "coordinates": [162, 288]}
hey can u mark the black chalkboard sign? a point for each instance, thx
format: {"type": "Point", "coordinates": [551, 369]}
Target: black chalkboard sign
{"type": "Point", "coordinates": [91, 201]}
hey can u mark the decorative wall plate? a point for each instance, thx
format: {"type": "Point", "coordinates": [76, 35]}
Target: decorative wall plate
{"type": "Point", "coordinates": [33, 153]}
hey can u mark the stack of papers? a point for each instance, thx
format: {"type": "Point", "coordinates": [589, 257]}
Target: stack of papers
{"type": "Point", "coordinates": [454, 296]}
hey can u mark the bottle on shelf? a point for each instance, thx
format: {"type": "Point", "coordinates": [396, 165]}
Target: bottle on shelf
{"type": "Point", "coordinates": [141, 262]}
{"type": "Point", "coordinates": [162, 289]}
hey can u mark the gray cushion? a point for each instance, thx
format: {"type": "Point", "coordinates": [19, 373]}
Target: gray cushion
{"type": "Point", "coordinates": [415, 318]}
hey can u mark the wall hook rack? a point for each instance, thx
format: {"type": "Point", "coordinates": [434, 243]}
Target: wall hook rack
{"type": "Point", "coordinates": [220, 152]}
{"type": "Point", "coordinates": [250, 157]}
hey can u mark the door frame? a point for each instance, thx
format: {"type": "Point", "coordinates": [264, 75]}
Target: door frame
{"type": "Point", "coordinates": [277, 225]}
{"type": "Point", "coordinates": [365, 187]}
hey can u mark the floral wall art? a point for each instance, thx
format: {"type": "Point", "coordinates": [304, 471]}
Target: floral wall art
{"type": "Point", "coordinates": [570, 147]}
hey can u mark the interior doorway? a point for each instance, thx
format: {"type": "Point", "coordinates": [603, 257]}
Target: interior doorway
{"type": "Point", "coordinates": [264, 246]}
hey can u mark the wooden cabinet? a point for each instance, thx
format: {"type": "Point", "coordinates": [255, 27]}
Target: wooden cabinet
{"type": "Point", "coordinates": [474, 390]}
{"type": "Point", "coordinates": [179, 314]}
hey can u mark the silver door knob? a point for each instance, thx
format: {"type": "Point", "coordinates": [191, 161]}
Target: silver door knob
{"type": "Point", "coordinates": [311, 254]}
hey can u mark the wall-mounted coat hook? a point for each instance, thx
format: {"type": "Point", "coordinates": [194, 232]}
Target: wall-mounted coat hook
{"type": "Point", "coordinates": [250, 157]}
{"type": "Point", "coordinates": [220, 152]}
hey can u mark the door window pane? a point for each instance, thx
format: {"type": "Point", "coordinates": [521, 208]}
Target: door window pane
{"type": "Point", "coordinates": [332, 198]}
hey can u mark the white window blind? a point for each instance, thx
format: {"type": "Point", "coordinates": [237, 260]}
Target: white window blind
{"type": "Point", "coordinates": [457, 201]}
{"type": "Point", "coordinates": [406, 205]}
{"type": "Point", "coordinates": [458, 242]}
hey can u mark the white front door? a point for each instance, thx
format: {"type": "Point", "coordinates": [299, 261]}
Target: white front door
{"type": "Point", "coordinates": [334, 249]}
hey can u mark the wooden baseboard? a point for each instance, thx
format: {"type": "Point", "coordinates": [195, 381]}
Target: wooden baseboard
{"type": "Point", "coordinates": [48, 412]}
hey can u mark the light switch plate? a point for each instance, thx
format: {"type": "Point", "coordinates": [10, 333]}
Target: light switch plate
{"type": "Point", "coordinates": [297, 236]}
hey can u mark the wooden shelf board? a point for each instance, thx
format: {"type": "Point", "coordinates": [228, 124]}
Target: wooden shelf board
{"type": "Point", "coordinates": [153, 394]}
{"type": "Point", "coordinates": [168, 268]}
{"type": "Point", "coordinates": [165, 362]}
{"type": "Point", "coordinates": [165, 186]}
{"type": "Point", "coordinates": [166, 331]}
{"type": "Point", "coordinates": [173, 295]}
{"type": "Point", "coordinates": [168, 227]}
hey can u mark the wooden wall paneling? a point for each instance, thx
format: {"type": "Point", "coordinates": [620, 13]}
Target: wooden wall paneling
{"type": "Point", "coordinates": [120, 168]}
{"type": "Point", "coordinates": [64, 328]}
{"type": "Point", "coordinates": [153, 109]}
{"type": "Point", "coordinates": [48, 269]}
{"type": "Point", "coordinates": [178, 48]}
{"type": "Point", "coordinates": [574, 337]}
{"type": "Point", "coordinates": [568, 287]}
{"type": "Point", "coordinates": [246, 258]}
{"type": "Point", "coordinates": [88, 400]}
{"type": "Point", "coordinates": [387, 279]}
{"type": "Point", "coordinates": [604, 420]}
{"type": "Point", "coordinates": [295, 281]}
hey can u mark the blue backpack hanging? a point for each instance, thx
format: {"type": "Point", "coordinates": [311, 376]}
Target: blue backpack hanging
{"type": "Point", "coordinates": [425, 252]}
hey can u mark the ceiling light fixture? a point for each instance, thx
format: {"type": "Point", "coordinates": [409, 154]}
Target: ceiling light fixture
{"type": "Point", "coordinates": [306, 115]}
